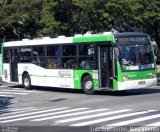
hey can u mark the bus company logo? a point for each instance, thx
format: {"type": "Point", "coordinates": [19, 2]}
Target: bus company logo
{"type": "Point", "coordinates": [64, 73]}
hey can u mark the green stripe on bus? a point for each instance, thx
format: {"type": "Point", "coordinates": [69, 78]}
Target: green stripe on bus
{"type": "Point", "coordinates": [93, 38]}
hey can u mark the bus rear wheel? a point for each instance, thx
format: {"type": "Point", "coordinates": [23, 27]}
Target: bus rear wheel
{"type": "Point", "coordinates": [87, 85]}
{"type": "Point", "coordinates": [26, 82]}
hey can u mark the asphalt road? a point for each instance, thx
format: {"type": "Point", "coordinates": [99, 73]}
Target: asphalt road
{"type": "Point", "coordinates": [53, 109]}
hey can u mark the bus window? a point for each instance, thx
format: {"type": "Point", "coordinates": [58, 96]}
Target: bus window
{"type": "Point", "coordinates": [69, 62]}
{"type": "Point", "coordinates": [53, 57]}
{"type": "Point", "coordinates": [6, 55]}
{"type": "Point", "coordinates": [86, 49]}
{"type": "Point", "coordinates": [38, 56]}
{"type": "Point", "coordinates": [53, 51]}
{"type": "Point", "coordinates": [86, 63]}
{"type": "Point", "coordinates": [25, 54]}
{"type": "Point", "coordinates": [86, 58]}
{"type": "Point", "coordinates": [69, 50]}
{"type": "Point", "coordinates": [69, 59]}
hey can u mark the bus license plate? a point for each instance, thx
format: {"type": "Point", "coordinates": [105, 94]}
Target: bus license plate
{"type": "Point", "coordinates": [141, 82]}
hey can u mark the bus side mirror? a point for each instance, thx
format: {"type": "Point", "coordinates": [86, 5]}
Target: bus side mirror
{"type": "Point", "coordinates": [116, 52]}
{"type": "Point", "coordinates": [156, 59]}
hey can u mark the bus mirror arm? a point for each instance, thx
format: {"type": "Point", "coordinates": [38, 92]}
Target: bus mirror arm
{"type": "Point", "coordinates": [116, 51]}
{"type": "Point", "coordinates": [155, 57]}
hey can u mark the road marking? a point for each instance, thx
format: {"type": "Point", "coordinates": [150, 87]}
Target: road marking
{"type": "Point", "coordinates": [72, 114]}
{"type": "Point", "coordinates": [110, 118]}
{"type": "Point", "coordinates": [16, 109]}
{"type": "Point", "coordinates": [18, 112]}
{"type": "Point", "coordinates": [154, 124]}
{"type": "Point", "coordinates": [13, 93]}
{"type": "Point", "coordinates": [91, 116]}
{"type": "Point", "coordinates": [38, 112]}
{"type": "Point", "coordinates": [3, 95]}
{"type": "Point", "coordinates": [123, 123]}
{"type": "Point", "coordinates": [23, 118]}
{"type": "Point", "coordinates": [148, 127]}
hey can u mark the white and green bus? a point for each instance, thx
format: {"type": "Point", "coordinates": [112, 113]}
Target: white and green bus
{"type": "Point", "coordinates": [90, 62]}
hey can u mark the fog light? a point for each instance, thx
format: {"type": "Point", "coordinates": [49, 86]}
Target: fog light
{"type": "Point", "coordinates": [125, 78]}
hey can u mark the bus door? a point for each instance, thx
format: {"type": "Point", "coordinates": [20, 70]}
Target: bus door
{"type": "Point", "coordinates": [106, 66]}
{"type": "Point", "coordinates": [14, 58]}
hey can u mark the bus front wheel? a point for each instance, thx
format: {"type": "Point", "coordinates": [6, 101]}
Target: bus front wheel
{"type": "Point", "coordinates": [26, 82]}
{"type": "Point", "coordinates": [87, 85]}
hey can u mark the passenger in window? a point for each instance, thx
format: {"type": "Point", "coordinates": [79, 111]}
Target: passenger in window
{"type": "Point", "coordinates": [35, 58]}
{"type": "Point", "coordinates": [52, 64]}
{"type": "Point", "coordinates": [59, 62]}
{"type": "Point", "coordinates": [83, 63]}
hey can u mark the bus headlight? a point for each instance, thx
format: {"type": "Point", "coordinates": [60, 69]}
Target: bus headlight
{"type": "Point", "coordinates": [153, 75]}
{"type": "Point", "coordinates": [125, 78]}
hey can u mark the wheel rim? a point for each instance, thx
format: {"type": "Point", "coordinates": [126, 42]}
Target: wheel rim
{"type": "Point", "coordinates": [26, 82]}
{"type": "Point", "coordinates": [88, 85]}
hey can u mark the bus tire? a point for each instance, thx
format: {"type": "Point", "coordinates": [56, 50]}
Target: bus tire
{"type": "Point", "coordinates": [87, 85]}
{"type": "Point", "coordinates": [26, 81]}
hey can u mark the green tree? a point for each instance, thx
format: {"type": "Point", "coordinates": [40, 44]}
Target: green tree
{"type": "Point", "coordinates": [20, 19]}
{"type": "Point", "coordinates": [34, 18]}
{"type": "Point", "coordinates": [136, 15]}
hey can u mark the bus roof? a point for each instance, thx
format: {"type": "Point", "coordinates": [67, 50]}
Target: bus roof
{"type": "Point", "coordinates": [130, 34]}
{"type": "Point", "coordinates": [106, 36]}
{"type": "Point", "coordinates": [63, 40]}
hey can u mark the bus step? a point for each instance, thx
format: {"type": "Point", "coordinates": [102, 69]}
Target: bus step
{"type": "Point", "coordinates": [106, 89]}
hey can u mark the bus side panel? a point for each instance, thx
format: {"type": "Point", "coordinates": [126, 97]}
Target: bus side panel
{"type": "Point", "coordinates": [78, 76]}
{"type": "Point", "coordinates": [119, 78]}
{"type": "Point", "coordinates": [47, 77]}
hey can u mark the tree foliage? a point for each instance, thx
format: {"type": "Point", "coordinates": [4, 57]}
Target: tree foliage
{"type": "Point", "coordinates": [35, 18]}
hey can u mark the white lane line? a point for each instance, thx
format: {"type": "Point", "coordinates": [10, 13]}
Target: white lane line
{"type": "Point", "coordinates": [19, 112]}
{"type": "Point", "coordinates": [6, 86]}
{"type": "Point", "coordinates": [20, 90]}
{"type": "Point", "coordinates": [123, 123]}
{"type": "Point", "coordinates": [91, 116]}
{"type": "Point", "coordinates": [148, 127]}
{"type": "Point", "coordinates": [110, 118]}
{"type": "Point", "coordinates": [13, 93]}
{"type": "Point", "coordinates": [154, 124]}
{"type": "Point", "coordinates": [15, 109]}
{"type": "Point", "coordinates": [29, 117]}
{"type": "Point", "coordinates": [72, 114]}
{"type": "Point", "coordinates": [38, 112]}
{"type": "Point", "coordinates": [3, 95]}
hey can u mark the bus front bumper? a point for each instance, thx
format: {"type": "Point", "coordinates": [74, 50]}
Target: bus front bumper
{"type": "Point", "coordinates": [136, 84]}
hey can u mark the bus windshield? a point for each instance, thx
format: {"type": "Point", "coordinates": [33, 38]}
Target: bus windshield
{"type": "Point", "coordinates": [136, 56]}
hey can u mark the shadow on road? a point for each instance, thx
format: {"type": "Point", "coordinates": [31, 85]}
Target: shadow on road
{"type": "Point", "coordinates": [143, 91]}
{"type": "Point", "coordinates": [4, 103]}
{"type": "Point", "coordinates": [51, 89]}
{"type": "Point", "coordinates": [134, 92]}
